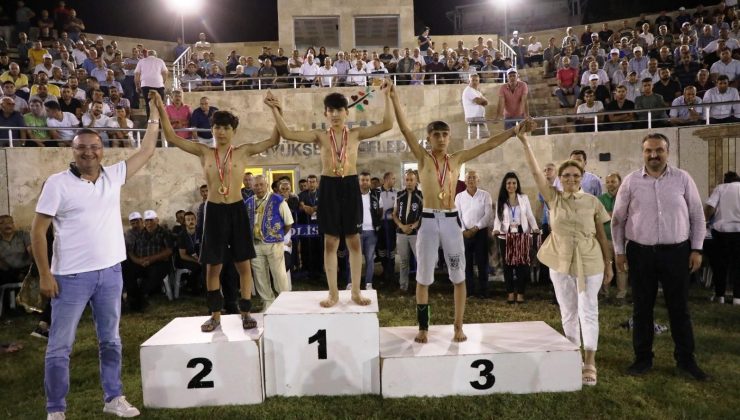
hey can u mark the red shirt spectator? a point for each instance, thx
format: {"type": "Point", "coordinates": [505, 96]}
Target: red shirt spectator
{"type": "Point", "coordinates": [568, 77]}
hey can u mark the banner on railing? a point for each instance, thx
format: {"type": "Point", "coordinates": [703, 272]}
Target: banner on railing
{"type": "Point", "coordinates": [304, 231]}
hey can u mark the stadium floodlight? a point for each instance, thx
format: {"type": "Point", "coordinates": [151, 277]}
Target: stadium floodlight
{"type": "Point", "coordinates": [503, 4]}
{"type": "Point", "coordinates": [184, 7]}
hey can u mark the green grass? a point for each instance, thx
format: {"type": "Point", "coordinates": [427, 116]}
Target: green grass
{"type": "Point", "coordinates": [660, 394]}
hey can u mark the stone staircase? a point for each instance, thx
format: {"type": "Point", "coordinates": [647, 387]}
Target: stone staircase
{"type": "Point", "coordinates": [543, 103]}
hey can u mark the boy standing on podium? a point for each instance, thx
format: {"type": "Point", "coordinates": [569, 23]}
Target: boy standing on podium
{"type": "Point", "coordinates": [438, 174]}
{"type": "Point", "coordinates": [340, 212]}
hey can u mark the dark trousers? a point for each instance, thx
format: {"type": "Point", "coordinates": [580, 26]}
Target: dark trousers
{"type": "Point", "coordinates": [544, 275]}
{"type": "Point", "coordinates": [145, 91]}
{"type": "Point", "coordinates": [667, 265]}
{"type": "Point", "coordinates": [312, 256]}
{"type": "Point", "coordinates": [196, 279]}
{"type": "Point", "coordinates": [518, 284]}
{"type": "Point", "coordinates": [151, 280]}
{"type": "Point", "coordinates": [725, 262]}
{"type": "Point", "coordinates": [386, 247]}
{"type": "Point", "coordinates": [13, 275]}
{"type": "Point", "coordinates": [129, 91]}
{"type": "Point", "coordinates": [230, 284]}
{"type": "Point", "coordinates": [476, 250]}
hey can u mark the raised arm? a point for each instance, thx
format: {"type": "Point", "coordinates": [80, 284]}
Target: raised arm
{"type": "Point", "coordinates": [197, 149]}
{"type": "Point", "coordinates": [283, 130]}
{"type": "Point", "coordinates": [539, 178]}
{"type": "Point", "coordinates": [140, 158]}
{"type": "Point", "coordinates": [254, 148]}
{"type": "Point", "coordinates": [387, 123]}
{"type": "Point", "coordinates": [411, 140]}
{"type": "Point", "coordinates": [490, 144]}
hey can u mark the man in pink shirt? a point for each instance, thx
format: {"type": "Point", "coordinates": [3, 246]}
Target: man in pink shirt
{"type": "Point", "coordinates": [512, 102]}
{"type": "Point", "coordinates": [179, 114]}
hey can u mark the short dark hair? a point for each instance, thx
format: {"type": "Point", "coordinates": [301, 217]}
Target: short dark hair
{"type": "Point", "coordinates": [53, 105]}
{"type": "Point", "coordinates": [179, 211]}
{"type": "Point", "coordinates": [203, 186]}
{"type": "Point", "coordinates": [188, 213]}
{"type": "Point", "coordinates": [375, 178]}
{"type": "Point", "coordinates": [364, 173]}
{"type": "Point", "coordinates": [8, 82]}
{"type": "Point", "coordinates": [587, 91]}
{"type": "Point", "coordinates": [437, 126]}
{"type": "Point", "coordinates": [731, 176]}
{"type": "Point", "coordinates": [579, 152]}
{"type": "Point", "coordinates": [647, 80]}
{"type": "Point", "coordinates": [658, 136]}
{"type": "Point", "coordinates": [302, 180]}
{"type": "Point", "coordinates": [224, 118]}
{"type": "Point", "coordinates": [312, 176]}
{"type": "Point", "coordinates": [335, 101]}
{"type": "Point", "coordinates": [723, 77]}
{"type": "Point", "coordinates": [89, 131]}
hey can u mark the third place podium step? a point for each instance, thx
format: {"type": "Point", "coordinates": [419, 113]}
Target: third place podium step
{"type": "Point", "coordinates": [515, 357]}
{"type": "Point", "coordinates": [310, 350]}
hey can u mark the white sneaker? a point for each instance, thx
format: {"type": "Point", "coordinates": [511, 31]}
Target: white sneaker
{"type": "Point", "coordinates": [368, 286]}
{"type": "Point", "coordinates": [349, 286]}
{"type": "Point", "coordinates": [120, 407]}
{"type": "Point", "coordinates": [717, 299]}
{"type": "Point", "coordinates": [59, 415]}
{"type": "Point", "coordinates": [736, 301]}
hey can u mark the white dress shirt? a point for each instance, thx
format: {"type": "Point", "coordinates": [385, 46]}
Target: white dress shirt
{"type": "Point", "coordinates": [475, 210]}
{"type": "Point", "coordinates": [726, 200]}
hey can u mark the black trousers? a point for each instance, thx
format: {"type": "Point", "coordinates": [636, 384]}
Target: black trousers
{"type": "Point", "coordinates": [145, 91]}
{"type": "Point", "coordinates": [725, 262]}
{"type": "Point", "coordinates": [386, 249]}
{"type": "Point", "coordinates": [476, 251]}
{"type": "Point", "coordinates": [312, 256]}
{"type": "Point", "coordinates": [667, 265]}
{"type": "Point", "coordinates": [151, 280]}
{"type": "Point", "coordinates": [512, 285]}
{"type": "Point", "coordinates": [196, 278]}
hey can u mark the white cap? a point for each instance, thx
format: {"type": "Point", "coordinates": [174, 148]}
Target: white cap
{"type": "Point", "coordinates": [511, 70]}
{"type": "Point", "coordinates": [682, 8]}
{"type": "Point", "coordinates": [47, 56]}
{"type": "Point", "coordinates": [150, 214]}
{"type": "Point", "coordinates": [134, 215]}
{"type": "Point", "coordinates": [593, 77]}
{"type": "Point", "coordinates": [614, 51]}
{"type": "Point", "coordinates": [637, 48]}
{"type": "Point", "coordinates": [516, 32]}
{"type": "Point", "coordinates": [99, 38]}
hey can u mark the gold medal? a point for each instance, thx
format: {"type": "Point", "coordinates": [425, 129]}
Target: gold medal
{"type": "Point", "coordinates": [339, 154]}
{"type": "Point", "coordinates": [226, 167]}
{"type": "Point", "coordinates": [441, 174]}
{"type": "Point", "coordinates": [441, 195]}
{"type": "Point", "coordinates": [223, 190]}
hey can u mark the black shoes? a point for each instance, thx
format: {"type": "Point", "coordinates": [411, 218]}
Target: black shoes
{"type": "Point", "coordinates": [693, 370]}
{"type": "Point", "coordinates": [640, 367]}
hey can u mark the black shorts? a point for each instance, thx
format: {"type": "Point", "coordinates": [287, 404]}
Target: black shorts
{"type": "Point", "coordinates": [226, 229]}
{"type": "Point", "coordinates": [340, 205]}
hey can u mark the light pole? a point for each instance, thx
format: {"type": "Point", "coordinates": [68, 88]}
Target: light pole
{"type": "Point", "coordinates": [184, 7]}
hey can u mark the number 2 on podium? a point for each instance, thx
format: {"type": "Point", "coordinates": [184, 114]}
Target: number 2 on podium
{"type": "Point", "coordinates": [320, 336]}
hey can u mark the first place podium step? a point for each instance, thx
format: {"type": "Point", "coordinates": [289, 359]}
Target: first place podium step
{"type": "Point", "coordinates": [311, 350]}
{"type": "Point", "coordinates": [512, 357]}
{"type": "Point", "coordinates": [184, 367]}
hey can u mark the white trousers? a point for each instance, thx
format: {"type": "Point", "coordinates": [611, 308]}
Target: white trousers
{"type": "Point", "coordinates": [269, 259]}
{"type": "Point", "coordinates": [434, 231]}
{"type": "Point", "coordinates": [579, 311]}
{"type": "Point", "coordinates": [405, 246]}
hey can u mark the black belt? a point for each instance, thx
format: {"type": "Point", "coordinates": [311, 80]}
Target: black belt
{"type": "Point", "coordinates": [431, 215]}
{"type": "Point", "coordinates": [660, 247]}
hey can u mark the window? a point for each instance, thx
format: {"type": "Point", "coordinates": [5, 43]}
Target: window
{"type": "Point", "coordinates": [376, 31]}
{"type": "Point", "coordinates": [316, 32]}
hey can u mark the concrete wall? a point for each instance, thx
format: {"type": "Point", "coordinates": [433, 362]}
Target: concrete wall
{"type": "Point", "coordinates": [170, 181]}
{"type": "Point", "coordinates": [346, 11]}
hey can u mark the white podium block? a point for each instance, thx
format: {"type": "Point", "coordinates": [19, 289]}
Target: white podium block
{"type": "Point", "coordinates": [184, 367]}
{"type": "Point", "coordinates": [514, 357]}
{"type": "Point", "coordinates": [310, 350]}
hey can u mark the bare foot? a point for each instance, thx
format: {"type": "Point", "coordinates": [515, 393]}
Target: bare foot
{"type": "Point", "coordinates": [358, 299]}
{"type": "Point", "coordinates": [459, 336]}
{"type": "Point", "coordinates": [330, 301]}
{"type": "Point", "coordinates": [421, 337]}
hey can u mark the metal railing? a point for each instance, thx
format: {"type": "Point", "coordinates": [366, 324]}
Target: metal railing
{"type": "Point", "coordinates": [138, 134]}
{"type": "Point", "coordinates": [507, 51]}
{"type": "Point", "coordinates": [178, 67]}
{"type": "Point", "coordinates": [652, 117]}
{"type": "Point", "coordinates": [296, 80]}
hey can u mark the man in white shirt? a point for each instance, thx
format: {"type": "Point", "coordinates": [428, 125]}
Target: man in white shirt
{"type": "Point", "coordinates": [476, 216]}
{"type": "Point", "coordinates": [201, 46]}
{"type": "Point", "coordinates": [309, 70]}
{"type": "Point", "coordinates": [593, 69]}
{"type": "Point", "coordinates": [357, 75]}
{"type": "Point", "coordinates": [586, 124]}
{"type": "Point", "coordinates": [686, 116]}
{"type": "Point", "coordinates": [651, 71]}
{"type": "Point", "coordinates": [150, 74]}
{"type": "Point", "coordinates": [726, 65]}
{"type": "Point", "coordinates": [474, 103]}
{"type": "Point", "coordinates": [95, 118]}
{"type": "Point", "coordinates": [327, 70]}
{"type": "Point", "coordinates": [723, 207]}
{"type": "Point", "coordinates": [61, 121]}
{"type": "Point", "coordinates": [722, 93]}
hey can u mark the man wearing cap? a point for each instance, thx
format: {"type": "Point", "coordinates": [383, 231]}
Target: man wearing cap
{"type": "Point", "coordinates": [45, 66]}
{"type": "Point", "coordinates": [21, 105]}
{"type": "Point", "coordinates": [512, 102]}
{"type": "Point", "coordinates": [136, 224]}
{"type": "Point", "coordinates": [148, 259]}
{"type": "Point", "coordinates": [639, 62]}
{"type": "Point", "coordinates": [612, 64]}
{"type": "Point", "coordinates": [9, 117]}
{"type": "Point", "coordinates": [601, 92]}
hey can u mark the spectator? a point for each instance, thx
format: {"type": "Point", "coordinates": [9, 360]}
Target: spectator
{"type": "Point", "coordinates": [201, 119]}
{"type": "Point", "coordinates": [424, 41]}
{"type": "Point", "coordinates": [148, 260]}
{"type": "Point", "coordinates": [721, 113]}
{"type": "Point", "coordinates": [622, 73]}
{"type": "Point", "coordinates": [605, 34]}
{"type": "Point", "coordinates": [129, 78]}
{"type": "Point", "coordinates": [201, 46]}
{"type": "Point", "coordinates": [658, 216]}
{"type": "Point", "coordinates": [727, 66]}
{"type": "Point", "coordinates": [56, 77]}
{"type": "Point", "coordinates": [405, 65]}
{"type": "Point", "coordinates": [549, 57]}
{"type": "Point", "coordinates": [666, 87]}
{"type": "Point", "coordinates": [188, 244]}
{"type": "Point", "coordinates": [488, 73]}
{"type": "Point", "coordinates": [590, 105]}
{"type": "Point", "coordinates": [513, 222]}
{"type": "Point", "coordinates": [601, 92]}
{"type": "Point", "coordinates": [357, 75]}
{"type": "Point", "coordinates": [9, 90]}
{"type": "Point", "coordinates": [74, 25]}
{"type": "Point", "coordinates": [43, 80]}
{"type": "Point", "coordinates": [269, 75]}
{"type": "Point", "coordinates": [190, 79]}
{"type": "Point", "coordinates": [567, 78]}
{"type": "Point", "coordinates": [466, 71]}
{"type": "Point", "coordinates": [179, 114]}
{"type": "Point", "coordinates": [91, 62]}
{"type": "Point", "coordinates": [123, 138]}
{"type": "Point", "coordinates": [586, 35]}
{"type": "Point", "coordinates": [685, 71]}
{"type": "Point", "coordinates": [651, 71]}
{"type": "Point", "coordinates": [613, 181]}
{"type": "Point", "coordinates": [110, 83]}
{"type": "Point", "coordinates": [474, 103]}
{"type": "Point", "coordinates": [513, 105]}
{"type": "Point", "coordinates": [594, 70]}
{"type": "Point", "coordinates": [61, 122]}
{"type": "Point", "coordinates": [15, 251]}
{"type": "Point", "coordinates": [150, 74]}
{"type": "Point", "coordinates": [36, 118]}
{"type": "Point", "coordinates": [702, 82]}
{"type": "Point", "coordinates": [114, 100]}
{"type": "Point", "coordinates": [309, 70]}
{"type": "Point", "coordinates": [386, 245]}
{"type": "Point", "coordinates": [45, 66]}
{"type": "Point", "coordinates": [639, 62]}
{"type": "Point", "coordinates": [612, 65]}
{"type": "Point", "coordinates": [343, 66]}
{"type": "Point", "coordinates": [9, 117]}
{"type": "Point", "coordinates": [327, 72]}
{"type": "Point", "coordinates": [79, 53]}
{"type": "Point", "coordinates": [650, 100]}
{"type": "Point", "coordinates": [475, 207]}
{"type": "Point", "coordinates": [407, 216]}
{"type": "Point", "coordinates": [295, 62]}
{"type": "Point", "coordinates": [95, 118]}
{"type": "Point", "coordinates": [646, 35]}
{"type": "Point", "coordinates": [692, 114]}
{"type": "Point", "coordinates": [36, 54]}
{"type": "Point", "coordinates": [311, 249]}
{"type": "Point", "coordinates": [621, 121]}
{"type": "Point", "coordinates": [723, 207]}
{"type": "Point", "coordinates": [534, 51]}
{"type": "Point", "coordinates": [665, 59]}
{"type": "Point", "coordinates": [270, 220]}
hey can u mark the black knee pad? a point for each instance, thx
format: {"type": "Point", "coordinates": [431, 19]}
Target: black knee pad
{"type": "Point", "coordinates": [422, 314]}
{"type": "Point", "coordinates": [245, 305]}
{"type": "Point", "coordinates": [215, 300]}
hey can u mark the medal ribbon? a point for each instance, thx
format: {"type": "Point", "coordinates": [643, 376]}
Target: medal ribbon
{"type": "Point", "coordinates": [340, 154]}
{"type": "Point", "coordinates": [221, 169]}
{"type": "Point", "coordinates": [441, 176]}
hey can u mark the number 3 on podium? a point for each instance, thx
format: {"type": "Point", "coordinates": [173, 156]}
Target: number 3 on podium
{"type": "Point", "coordinates": [320, 336]}
{"type": "Point", "coordinates": [487, 379]}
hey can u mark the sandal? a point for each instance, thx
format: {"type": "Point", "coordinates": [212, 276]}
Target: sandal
{"type": "Point", "coordinates": [248, 322]}
{"type": "Point", "coordinates": [210, 325]}
{"type": "Point", "coordinates": [588, 375]}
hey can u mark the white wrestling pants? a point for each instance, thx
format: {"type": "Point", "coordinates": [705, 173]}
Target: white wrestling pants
{"type": "Point", "coordinates": [439, 226]}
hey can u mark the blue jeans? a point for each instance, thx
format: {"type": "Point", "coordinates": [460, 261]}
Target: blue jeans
{"type": "Point", "coordinates": [511, 122]}
{"type": "Point", "coordinates": [368, 239]}
{"type": "Point", "coordinates": [102, 290]}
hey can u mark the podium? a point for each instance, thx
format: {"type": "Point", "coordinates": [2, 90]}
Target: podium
{"type": "Point", "coordinates": [184, 367]}
{"type": "Point", "coordinates": [310, 350]}
{"type": "Point", "coordinates": [513, 357]}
